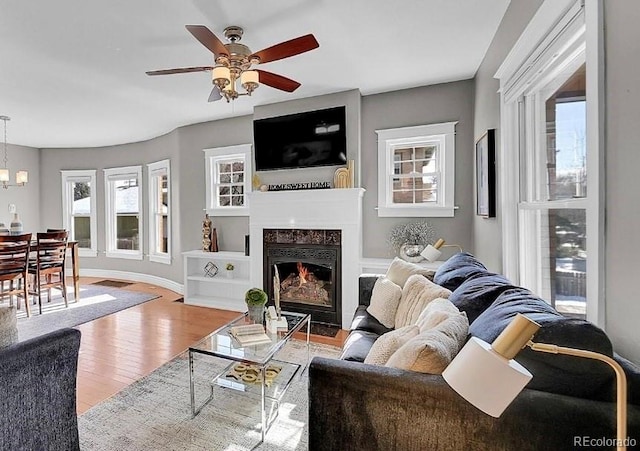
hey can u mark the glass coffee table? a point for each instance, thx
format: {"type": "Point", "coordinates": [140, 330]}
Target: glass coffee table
{"type": "Point", "coordinates": [251, 368]}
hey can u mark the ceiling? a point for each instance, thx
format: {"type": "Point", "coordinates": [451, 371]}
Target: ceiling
{"type": "Point", "coordinates": [73, 71]}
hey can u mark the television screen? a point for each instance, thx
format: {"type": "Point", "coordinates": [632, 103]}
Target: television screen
{"type": "Point", "coordinates": [302, 140]}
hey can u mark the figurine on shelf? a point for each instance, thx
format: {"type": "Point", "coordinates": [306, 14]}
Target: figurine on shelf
{"type": "Point", "coordinates": [209, 235]}
{"type": "Point", "coordinates": [275, 320]}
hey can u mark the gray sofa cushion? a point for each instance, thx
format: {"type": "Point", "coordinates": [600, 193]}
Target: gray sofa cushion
{"type": "Point", "coordinates": [475, 295]}
{"type": "Point", "coordinates": [552, 373]}
{"type": "Point", "coordinates": [457, 269]}
{"type": "Point", "coordinates": [357, 345]}
{"type": "Point", "coordinates": [363, 320]}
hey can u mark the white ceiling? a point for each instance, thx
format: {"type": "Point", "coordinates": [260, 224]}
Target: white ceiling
{"type": "Point", "coordinates": [73, 71]}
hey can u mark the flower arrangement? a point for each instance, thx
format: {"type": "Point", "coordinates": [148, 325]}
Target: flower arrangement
{"type": "Point", "coordinates": [230, 267]}
{"type": "Point", "coordinates": [419, 232]}
{"type": "Point", "coordinates": [255, 297]}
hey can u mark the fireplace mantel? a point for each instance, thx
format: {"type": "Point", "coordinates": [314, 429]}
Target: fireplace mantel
{"type": "Point", "coordinates": [339, 209]}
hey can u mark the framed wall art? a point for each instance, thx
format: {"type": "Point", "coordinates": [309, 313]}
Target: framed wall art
{"type": "Point", "coordinates": [486, 175]}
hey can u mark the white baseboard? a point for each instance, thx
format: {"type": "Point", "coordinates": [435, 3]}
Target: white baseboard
{"type": "Point", "coordinates": [133, 277]}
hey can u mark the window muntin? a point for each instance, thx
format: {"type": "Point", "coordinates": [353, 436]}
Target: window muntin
{"type": "Point", "coordinates": [159, 212]}
{"type": "Point", "coordinates": [228, 176]}
{"type": "Point", "coordinates": [123, 213]}
{"type": "Point", "coordinates": [79, 209]}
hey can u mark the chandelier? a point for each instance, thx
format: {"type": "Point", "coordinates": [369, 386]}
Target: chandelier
{"type": "Point", "coordinates": [22, 177]}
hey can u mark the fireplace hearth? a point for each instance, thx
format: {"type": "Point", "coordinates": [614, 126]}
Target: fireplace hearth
{"type": "Point", "coordinates": [309, 267]}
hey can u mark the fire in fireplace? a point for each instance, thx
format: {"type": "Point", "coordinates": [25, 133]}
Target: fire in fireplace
{"type": "Point", "coordinates": [308, 264]}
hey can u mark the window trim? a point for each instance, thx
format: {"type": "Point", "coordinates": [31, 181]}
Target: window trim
{"type": "Point", "coordinates": [219, 153]}
{"type": "Point", "coordinates": [68, 176]}
{"type": "Point", "coordinates": [388, 139]}
{"type": "Point", "coordinates": [112, 174]}
{"type": "Point", "coordinates": [162, 167]}
{"type": "Point", "coordinates": [553, 30]}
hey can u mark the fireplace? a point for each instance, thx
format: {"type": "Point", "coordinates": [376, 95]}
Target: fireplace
{"type": "Point", "coordinates": [309, 267]}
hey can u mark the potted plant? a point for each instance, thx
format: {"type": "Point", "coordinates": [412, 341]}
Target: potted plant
{"type": "Point", "coordinates": [230, 269]}
{"type": "Point", "coordinates": [409, 239]}
{"type": "Point", "coordinates": [256, 300]}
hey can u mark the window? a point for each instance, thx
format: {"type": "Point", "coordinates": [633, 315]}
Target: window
{"type": "Point", "coordinates": [159, 212]}
{"type": "Point", "coordinates": [549, 242]}
{"type": "Point", "coordinates": [79, 209]}
{"type": "Point", "coordinates": [228, 173]}
{"type": "Point", "coordinates": [416, 171]}
{"type": "Point", "coordinates": [123, 199]}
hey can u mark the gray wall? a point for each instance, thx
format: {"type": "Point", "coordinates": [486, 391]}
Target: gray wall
{"type": "Point", "coordinates": [487, 232]}
{"type": "Point", "coordinates": [25, 198]}
{"type": "Point", "coordinates": [55, 160]}
{"type": "Point", "coordinates": [622, 53]}
{"type": "Point", "coordinates": [418, 106]}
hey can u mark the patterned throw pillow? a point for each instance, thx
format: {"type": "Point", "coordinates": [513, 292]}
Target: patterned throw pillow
{"type": "Point", "coordinates": [432, 350]}
{"type": "Point", "coordinates": [399, 271]}
{"type": "Point", "coordinates": [416, 294]}
{"type": "Point", "coordinates": [435, 312]}
{"type": "Point", "coordinates": [389, 343]}
{"type": "Point", "coordinates": [384, 301]}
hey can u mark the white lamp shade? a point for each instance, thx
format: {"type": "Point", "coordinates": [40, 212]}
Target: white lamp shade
{"type": "Point", "coordinates": [221, 75]}
{"type": "Point", "coordinates": [484, 378]}
{"type": "Point", "coordinates": [22, 177]}
{"type": "Point", "coordinates": [431, 253]}
{"type": "Point", "coordinates": [249, 76]}
{"type": "Point", "coordinates": [4, 175]}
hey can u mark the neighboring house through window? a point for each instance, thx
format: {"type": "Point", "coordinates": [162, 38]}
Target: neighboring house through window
{"type": "Point", "coordinates": [416, 171]}
{"type": "Point", "coordinates": [160, 212]}
{"type": "Point", "coordinates": [228, 180]}
{"type": "Point", "coordinates": [79, 209]}
{"type": "Point", "coordinates": [123, 200]}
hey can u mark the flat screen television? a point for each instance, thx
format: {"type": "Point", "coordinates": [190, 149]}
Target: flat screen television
{"type": "Point", "coordinates": [302, 140]}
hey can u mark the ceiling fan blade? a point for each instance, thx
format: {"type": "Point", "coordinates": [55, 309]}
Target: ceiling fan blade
{"type": "Point", "coordinates": [215, 95]}
{"type": "Point", "coordinates": [181, 70]}
{"type": "Point", "coordinates": [287, 49]}
{"type": "Point", "coordinates": [277, 81]}
{"type": "Point", "coordinates": [208, 39]}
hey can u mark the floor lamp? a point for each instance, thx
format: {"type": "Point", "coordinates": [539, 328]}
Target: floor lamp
{"type": "Point", "coordinates": [488, 377]}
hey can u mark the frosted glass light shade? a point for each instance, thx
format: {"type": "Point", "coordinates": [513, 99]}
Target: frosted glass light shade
{"type": "Point", "coordinates": [249, 76]}
{"type": "Point", "coordinates": [4, 175]}
{"type": "Point", "coordinates": [22, 177]}
{"type": "Point", "coordinates": [484, 378]}
{"type": "Point", "coordinates": [221, 75]}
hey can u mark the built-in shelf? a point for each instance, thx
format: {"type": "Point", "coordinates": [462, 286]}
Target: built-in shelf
{"type": "Point", "coordinates": [219, 291]}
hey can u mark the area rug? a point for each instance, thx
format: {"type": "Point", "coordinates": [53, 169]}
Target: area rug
{"type": "Point", "coordinates": [154, 413]}
{"type": "Point", "coordinates": [95, 301]}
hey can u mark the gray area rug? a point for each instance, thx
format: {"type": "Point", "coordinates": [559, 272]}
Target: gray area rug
{"type": "Point", "coordinates": [154, 413]}
{"type": "Point", "coordinates": [95, 301]}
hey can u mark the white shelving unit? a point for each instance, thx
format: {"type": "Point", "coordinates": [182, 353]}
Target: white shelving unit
{"type": "Point", "coordinates": [218, 291]}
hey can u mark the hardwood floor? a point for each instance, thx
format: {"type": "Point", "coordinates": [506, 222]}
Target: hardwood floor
{"type": "Point", "coordinates": [118, 349]}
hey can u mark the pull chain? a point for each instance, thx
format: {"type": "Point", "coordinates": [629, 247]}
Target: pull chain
{"type": "Point", "coordinates": [5, 119]}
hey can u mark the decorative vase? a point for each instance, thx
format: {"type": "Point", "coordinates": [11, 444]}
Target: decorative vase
{"type": "Point", "coordinates": [411, 252]}
{"type": "Point", "coordinates": [16, 225]}
{"type": "Point", "coordinates": [256, 313]}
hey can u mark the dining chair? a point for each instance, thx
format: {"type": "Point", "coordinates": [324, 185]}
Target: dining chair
{"type": "Point", "coordinates": [47, 267]}
{"type": "Point", "coordinates": [14, 258]}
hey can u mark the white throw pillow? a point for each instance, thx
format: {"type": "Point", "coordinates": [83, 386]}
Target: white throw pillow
{"type": "Point", "coordinates": [384, 301]}
{"type": "Point", "coordinates": [436, 312]}
{"type": "Point", "coordinates": [400, 271]}
{"type": "Point", "coordinates": [389, 343]}
{"type": "Point", "coordinates": [433, 350]}
{"type": "Point", "coordinates": [416, 294]}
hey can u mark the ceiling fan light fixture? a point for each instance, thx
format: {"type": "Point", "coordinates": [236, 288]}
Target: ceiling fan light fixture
{"type": "Point", "coordinates": [221, 76]}
{"type": "Point", "coordinates": [249, 79]}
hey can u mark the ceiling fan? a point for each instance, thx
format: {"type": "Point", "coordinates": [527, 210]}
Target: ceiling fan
{"type": "Point", "coordinates": [233, 62]}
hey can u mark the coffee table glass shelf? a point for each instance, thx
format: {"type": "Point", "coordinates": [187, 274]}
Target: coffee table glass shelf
{"type": "Point", "coordinates": [222, 344]}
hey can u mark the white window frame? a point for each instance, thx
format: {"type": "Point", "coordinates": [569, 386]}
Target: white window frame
{"type": "Point", "coordinates": [212, 157]}
{"type": "Point", "coordinates": [155, 170]}
{"type": "Point", "coordinates": [112, 175]}
{"type": "Point", "coordinates": [443, 135]}
{"type": "Point", "coordinates": [69, 177]}
{"type": "Point", "coordinates": [559, 30]}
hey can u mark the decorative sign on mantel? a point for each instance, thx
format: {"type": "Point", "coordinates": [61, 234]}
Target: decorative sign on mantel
{"type": "Point", "coordinates": [299, 186]}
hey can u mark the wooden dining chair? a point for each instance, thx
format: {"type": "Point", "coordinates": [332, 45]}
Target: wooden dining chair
{"type": "Point", "coordinates": [47, 266]}
{"type": "Point", "coordinates": [14, 259]}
